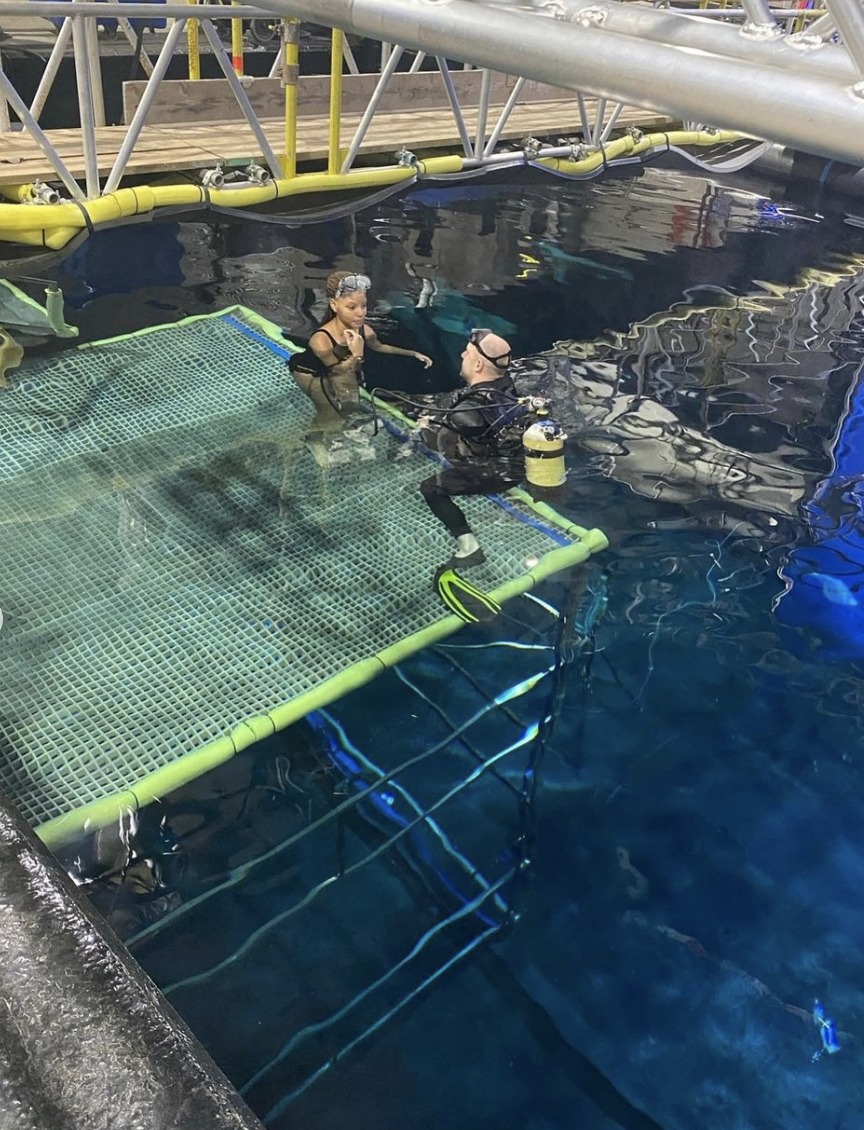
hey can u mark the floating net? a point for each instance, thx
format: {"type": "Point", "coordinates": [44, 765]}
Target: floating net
{"type": "Point", "coordinates": [184, 571]}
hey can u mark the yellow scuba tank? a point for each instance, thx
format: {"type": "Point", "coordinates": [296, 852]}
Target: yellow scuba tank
{"type": "Point", "coordinates": [543, 448]}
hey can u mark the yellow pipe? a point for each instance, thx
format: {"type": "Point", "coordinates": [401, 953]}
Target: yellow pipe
{"type": "Point", "coordinates": [20, 193]}
{"type": "Point", "coordinates": [237, 42]}
{"type": "Point", "coordinates": [334, 162]}
{"type": "Point", "coordinates": [290, 75]}
{"type": "Point", "coordinates": [54, 225]}
{"type": "Point", "coordinates": [629, 147]}
{"type": "Point", "coordinates": [192, 45]}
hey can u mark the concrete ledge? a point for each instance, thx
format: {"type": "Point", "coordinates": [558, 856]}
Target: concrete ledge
{"type": "Point", "coordinates": [87, 1042]}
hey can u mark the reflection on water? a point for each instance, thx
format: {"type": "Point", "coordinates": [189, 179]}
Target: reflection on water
{"type": "Point", "coordinates": [698, 867]}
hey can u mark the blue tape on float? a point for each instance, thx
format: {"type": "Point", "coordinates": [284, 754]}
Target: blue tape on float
{"type": "Point", "coordinates": [247, 331]}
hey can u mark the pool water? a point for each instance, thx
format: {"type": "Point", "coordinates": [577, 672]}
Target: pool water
{"type": "Point", "coordinates": [695, 837]}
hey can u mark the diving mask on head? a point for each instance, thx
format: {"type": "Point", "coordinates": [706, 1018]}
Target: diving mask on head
{"type": "Point", "coordinates": [502, 361]}
{"type": "Point", "coordinates": [352, 283]}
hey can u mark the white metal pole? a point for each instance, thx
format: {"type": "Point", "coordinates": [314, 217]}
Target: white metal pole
{"type": "Point", "coordinates": [759, 14]}
{"type": "Point", "coordinates": [348, 56]}
{"type": "Point", "coordinates": [38, 134]}
{"type": "Point", "coordinates": [482, 112]}
{"type": "Point", "coordinates": [143, 58]}
{"type": "Point", "coordinates": [599, 115]}
{"type": "Point", "coordinates": [218, 50]}
{"type": "Point", "coordinates": [85, 106]}
{"type": "Point", "coordinates": [849, 18]}
{"type": "Point", "coordinates": [729, 92]}
{"type": "Point", "coordinates": [5, 123]}
{"type": "Point", "coordinates": [583, 117]}
{"type": "Point", "coordinates": [453, 99]}
{"type": "Point", "coordinates": [372, 106]}
{"type": "Point", "coordinates": [495, 136]}
{"type": "Point", "coordinates": [143, 108]}
{"type": "Point", "coordinates": [51, 69]}
{"type": "Point", "coordinates": [610, 125]}
{"type": "Point", "coordinates": [95, 64]}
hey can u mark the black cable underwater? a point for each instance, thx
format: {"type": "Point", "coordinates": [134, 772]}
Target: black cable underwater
{"type": "Point", "coordinates": [316, 216]}
{"type": "Point", "coordinates": [526, 837]}
{"type": "Point", "coordinates": [413, 404]}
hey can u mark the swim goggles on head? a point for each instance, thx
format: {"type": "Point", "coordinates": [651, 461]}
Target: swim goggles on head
{"type": "Point", "coordinates": [502, 361]}
{"type": "Point", "coordinates": [352, 283]}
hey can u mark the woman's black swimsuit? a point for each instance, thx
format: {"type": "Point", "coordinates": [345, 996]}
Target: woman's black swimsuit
{"type": "Point", "coordinates": [308, 361]}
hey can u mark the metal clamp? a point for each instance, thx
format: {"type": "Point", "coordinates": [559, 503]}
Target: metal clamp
{"type": "Point", "coordinates": [531, 148]}
{"type": "Point", "coordinates": [405, 159]}
{"type": "Point", "coordinates": [41, 193]}
{"type": "Point", "coordinates": [213, 178]}
{"type": "Point", "coordinates": [578, 150]}
{"type": "Point", "coordinates": [258, 174]}
{"type": "Point", "coordinates": [635, 133]}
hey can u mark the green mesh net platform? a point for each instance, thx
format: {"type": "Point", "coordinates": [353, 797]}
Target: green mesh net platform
{"type": "Point", "coordinates": [184, 572]}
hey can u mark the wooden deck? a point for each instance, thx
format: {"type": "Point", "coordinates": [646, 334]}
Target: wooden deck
{"type": "Point", "coordinates": [190, 146]}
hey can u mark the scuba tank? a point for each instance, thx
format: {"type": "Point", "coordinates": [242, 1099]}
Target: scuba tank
{"type": "Point", "coordinates": [543, 448]}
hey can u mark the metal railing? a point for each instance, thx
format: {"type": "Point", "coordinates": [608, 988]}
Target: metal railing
{"type": "Point", "coordinates": [748, 48]}
{"type": "Point", "coordinates": [80, 29]}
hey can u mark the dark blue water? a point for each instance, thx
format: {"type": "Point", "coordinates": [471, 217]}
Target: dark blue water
{"type": "Point", "coordinates": [696, 841]}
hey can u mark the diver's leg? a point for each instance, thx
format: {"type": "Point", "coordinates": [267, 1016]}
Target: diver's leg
{"type": "Point", "coordinates": [438, 491]}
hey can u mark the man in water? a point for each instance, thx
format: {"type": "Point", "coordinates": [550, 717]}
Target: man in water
{"type": "Point", "coordinates": [478, 433]}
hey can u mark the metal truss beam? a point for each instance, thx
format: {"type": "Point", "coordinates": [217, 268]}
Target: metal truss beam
{"type": "Point", "coordinates": [806, 52]}
{"type": "Point", "coordinates": [806, 110]}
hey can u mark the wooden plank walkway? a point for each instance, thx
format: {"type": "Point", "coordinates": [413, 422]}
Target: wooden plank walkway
{"type": "Point", "coordinates": [173, 148]}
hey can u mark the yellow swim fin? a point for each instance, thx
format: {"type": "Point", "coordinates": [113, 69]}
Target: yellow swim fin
{"type": "Point", "coordinates": [464, 599]}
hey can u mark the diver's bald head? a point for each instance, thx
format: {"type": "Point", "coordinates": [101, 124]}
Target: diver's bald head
{"type": "Point", "coordinates": [485, 358]}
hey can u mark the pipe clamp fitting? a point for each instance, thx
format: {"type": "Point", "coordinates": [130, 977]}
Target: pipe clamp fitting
{"type": "Point", "coordinates": [213, 178]}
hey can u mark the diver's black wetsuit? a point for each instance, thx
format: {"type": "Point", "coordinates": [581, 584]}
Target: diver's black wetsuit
{"type": "Point", "coordinates": [472, 433]}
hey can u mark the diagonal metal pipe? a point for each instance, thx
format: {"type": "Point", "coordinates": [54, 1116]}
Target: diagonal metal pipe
{"type": "Point", "coordinates": [133, 131]}
{"type": "Point", "coordinates": [242, 97]}
{"type": "Point", "coordinates": [849, 18]}
{"type": "Point", "coordinates": [31, 126]}
{"type": "Point", "coordinates": [676, 29]}
{"type": "Point", "coordinates": [371, 108]}
{"type": "Point", "coordinates": [807, 111]}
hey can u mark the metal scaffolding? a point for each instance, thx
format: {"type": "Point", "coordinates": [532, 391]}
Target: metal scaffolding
{"type": "Point", "coordinates": [756, 69]}
{"type": "Point", "coordinates": [456, 820]}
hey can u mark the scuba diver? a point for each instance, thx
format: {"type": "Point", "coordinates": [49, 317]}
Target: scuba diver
{"type": "Point", "coordinates": [330, 369]}
{"type": "Point", "coordinates": [475, 432]}
{"type": "Point", "coordinates": [479, 433]}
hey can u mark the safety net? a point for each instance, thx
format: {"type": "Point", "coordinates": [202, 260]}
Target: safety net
{"type": "Point", "coordinates": [186, 569]}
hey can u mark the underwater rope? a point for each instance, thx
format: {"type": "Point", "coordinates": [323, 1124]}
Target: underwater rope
{"type": "Point", "coordinates": [252, 940]}
{"type": "Point", "coordinates": [238, 874]}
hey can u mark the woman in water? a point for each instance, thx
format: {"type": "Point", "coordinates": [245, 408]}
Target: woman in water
{"type": "Point", "coordinates": [330, 369]}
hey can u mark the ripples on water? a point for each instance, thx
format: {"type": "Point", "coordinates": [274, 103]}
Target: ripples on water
{"type": "Point", "coordinates": [700, 868]}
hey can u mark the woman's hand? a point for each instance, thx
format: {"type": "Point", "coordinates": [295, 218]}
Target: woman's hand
{"type": "Point", "coordinates": [427, 361]}
{"type": "Point", "coordinates": [355, 343]}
